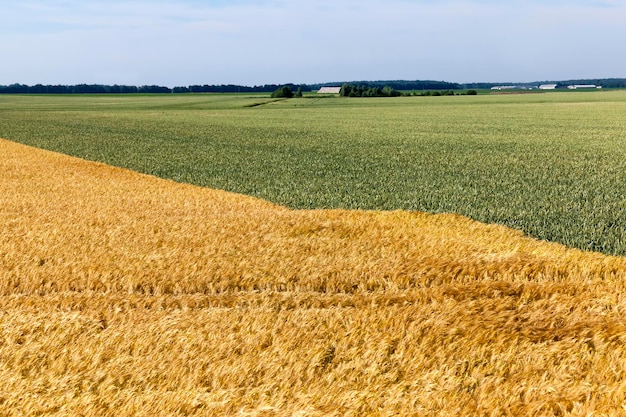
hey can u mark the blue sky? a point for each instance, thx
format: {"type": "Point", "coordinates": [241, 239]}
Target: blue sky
{"type": "Point", "coordinates": [247, 42]}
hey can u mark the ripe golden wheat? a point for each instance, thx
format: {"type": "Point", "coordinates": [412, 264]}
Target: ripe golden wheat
{"type": "Point", "coordinates": [124, 294]}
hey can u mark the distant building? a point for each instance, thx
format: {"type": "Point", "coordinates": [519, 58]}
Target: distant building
{"type": "Point", "coordinates": [579, 86]}
{"type": "Point", "coordinates": [329, 90]}
{"type": "Point", "coordinates": [547, 87]}
{"type": "Point", "coordinates": [506, 87]}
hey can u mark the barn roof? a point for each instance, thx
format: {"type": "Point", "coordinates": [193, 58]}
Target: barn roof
{"type": "Point", "coordinates": [329, 90]}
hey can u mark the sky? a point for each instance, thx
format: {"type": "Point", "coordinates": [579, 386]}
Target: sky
{"type": "Point", "coordinates": [245, 42]}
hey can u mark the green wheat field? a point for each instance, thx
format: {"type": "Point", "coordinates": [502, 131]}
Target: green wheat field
{"type": "Point", "coordinates": [550, 164]}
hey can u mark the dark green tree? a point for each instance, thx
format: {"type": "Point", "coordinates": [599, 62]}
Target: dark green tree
{"type": "Point", "coordinates": [283, 92]}
{"type": "Point", "coordinates": [389, 91]}
{"type": "Point", "coordinates": [346, 90]}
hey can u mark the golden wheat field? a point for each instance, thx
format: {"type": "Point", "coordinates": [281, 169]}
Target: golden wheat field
{"type": "Point", "coordinates": [126, 295]}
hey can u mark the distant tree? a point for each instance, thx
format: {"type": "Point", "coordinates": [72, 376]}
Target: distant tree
{"type": "Point", "coordinates": [357, 91]}
{"type": "Point", "coordinates": [389, 91]}
{"type": "Point", "coordinates": [283, 92]}
{"type": "Point", "coordinates": [349, 90]}
{"type": "Point", "coordinates": [37, 89]}
{"type": "Point", "coordinates": [299, 92]}
{"type": "Point", "coordinates": [472, 92]}
{"type": "Point", "coordinates": [153, 89]}
{"type": "Point", "coordinates": [17, 89]}
{"type": "Point", "coordinates": [346, 90]}
{"type": "Point", "coordinates": [372, 92]}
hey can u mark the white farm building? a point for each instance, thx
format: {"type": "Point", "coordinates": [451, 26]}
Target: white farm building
{"type": "Point", "coordinates": [329, 90]}
{"type": "Point", "coordinates": [505, 87]}
{"type": "Point", "coordinates": [547, 87]}
{"type": "Point", "coordinates": [579, 86]}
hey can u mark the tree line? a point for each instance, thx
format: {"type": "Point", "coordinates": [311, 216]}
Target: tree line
{"type": "Point", "coordinates": [401, 85]}
{"type": "Point", "coordinates": [81, 89]}
{"type": "Point", "coordinates": [222, 88]}
{"type": "Point", "coordinates": [145, 89]}
{"type": "Point", "coordinates": [349, 90]}
{"type": "Point", "coordinates": [358, 87]}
